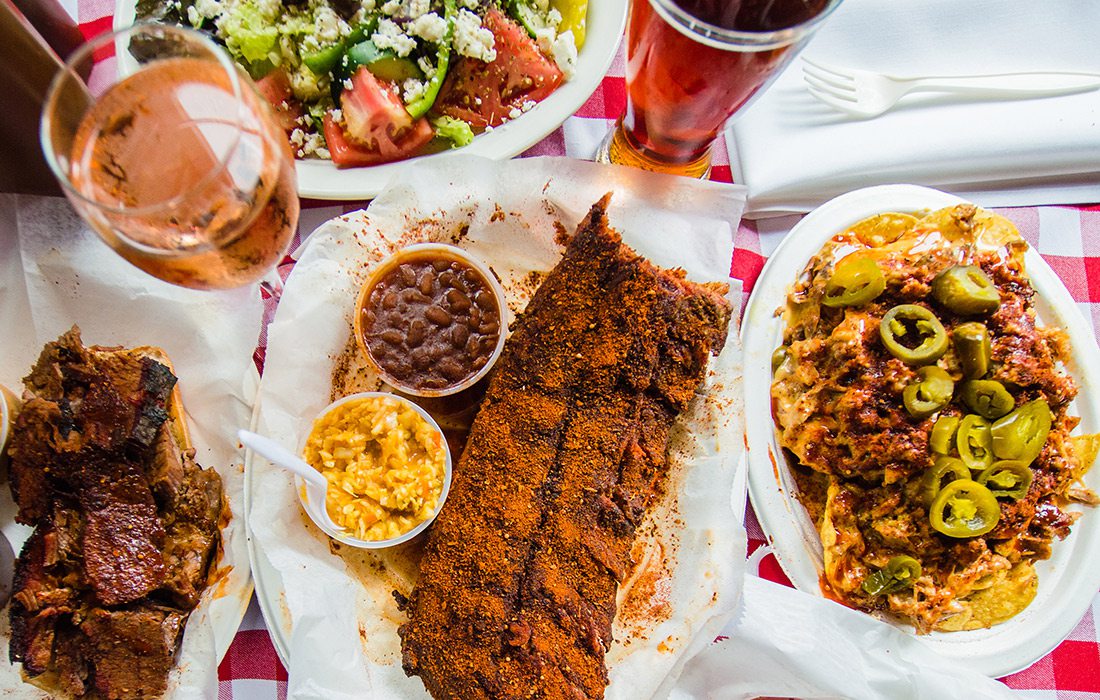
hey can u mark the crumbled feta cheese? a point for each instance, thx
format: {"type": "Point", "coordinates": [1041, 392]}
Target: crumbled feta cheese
{"type": "Point", "coordinates": [268, 8]}
{"type": "Point", "coordinates": [307, 144]}
{"type": "Point", "coordinates": [553, 17]}
{"type": "Point", "coordinates": [193, 16]}
{"type": "Point", "coordinates": [426, 67]}
{"type": "Point", "coordinates": [392, 7]}
{"type": "Point", "coordinates": [207, 8]}
{"type": "Point", "coordinates": [471, 39]}
{"type": "Point", "coordinates": [564, 52]}
{"type": "Point", "coordinates": [470, 4]}
{"type": "Point", "coordinates": [306, 85]}
{"type": "Point", "coordinates": [347, 83]}
{"type": "Point", "coordinates": [514, 112]}
{"type": "Point", "coordinates": [527, 105]}
{"type": "Point", "coordinates": [326, 25]}
{"type": "Point", "coordinates": [367, 5]}
{"type": "Point", "coordinates": [544, 37]}
{"type": "Point", "coordinates": [323, 153]}
{"type": "Point", "coordinates": [430, 27]}
{"type": "Point", "coordinates": [338, 115]}
{"type": "Point", "coordinates": [413, 89]}
{"type": "Point", "coordinates": [542, 5]}
{"type": "Point", "coordinates": [417, 8]}
{"type": "Point", "coordinates": [390, 36]}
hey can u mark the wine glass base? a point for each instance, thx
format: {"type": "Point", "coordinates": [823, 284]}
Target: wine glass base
{"type": "Point", "coordinates": [617, 149]}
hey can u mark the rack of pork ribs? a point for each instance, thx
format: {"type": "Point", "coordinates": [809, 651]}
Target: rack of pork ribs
{"type": "Point", "coordinates": [517, 587]}
{"type": "Point", "coordinates": [126, 523]}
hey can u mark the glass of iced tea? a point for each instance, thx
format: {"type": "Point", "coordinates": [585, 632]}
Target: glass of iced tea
{"type": "Point", "coordinates": [172, 156]}
{"type": "Point", "coordinates": [691, 64]}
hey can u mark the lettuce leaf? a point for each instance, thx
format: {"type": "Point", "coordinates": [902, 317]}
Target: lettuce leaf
{"type": "Point", "coordinates": [249, 33]}
{"type": "Point", "coordinates": [457, 131]}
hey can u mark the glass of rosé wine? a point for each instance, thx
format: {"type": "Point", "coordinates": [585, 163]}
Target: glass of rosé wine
{"type": "Point", "coordinates": [171, 155]}
{"type": "Point", "coordinates": [691, 64]}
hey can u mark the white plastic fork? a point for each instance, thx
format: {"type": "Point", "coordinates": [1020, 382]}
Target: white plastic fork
{"type": "Point", "coordinates": [864, 93]}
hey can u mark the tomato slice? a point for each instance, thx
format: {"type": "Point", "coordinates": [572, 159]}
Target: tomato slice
{"type": "Point", "coordinates": [484, 94]}
{"type": "Point", "coordinates": [373, 111]}
{"type": "Point", "coordinates": [275, 88]}
{"type": "Point", "coordinates": [346, 153]}
{"type": "Point", "coordinates": [376, 126]}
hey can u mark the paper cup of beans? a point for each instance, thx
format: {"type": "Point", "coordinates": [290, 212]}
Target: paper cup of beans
{"type": "Point", "coordinates": [431, 319]}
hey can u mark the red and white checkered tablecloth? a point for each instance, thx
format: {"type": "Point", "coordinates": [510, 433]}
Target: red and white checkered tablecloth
{"type": "Point", "coordinates": [1067, 237]}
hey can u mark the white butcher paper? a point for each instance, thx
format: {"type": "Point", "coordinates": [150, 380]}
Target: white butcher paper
{"type": "Point", "coordinates": [341, 634]}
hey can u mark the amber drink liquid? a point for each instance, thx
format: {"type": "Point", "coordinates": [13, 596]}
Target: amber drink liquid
{"type": "Point", "coordinates": [691, 64]}
{"type": "Point", "coordinates": [179, 168]}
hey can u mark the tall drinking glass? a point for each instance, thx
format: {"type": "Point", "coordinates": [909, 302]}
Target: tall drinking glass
{"type": "Point", "coordinates": [174, 159]}
{"type": "Point", "coordinates": [691, 64]}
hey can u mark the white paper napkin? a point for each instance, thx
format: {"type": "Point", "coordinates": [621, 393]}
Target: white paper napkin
{"type": "Point", "coordinates": [794, 152]}
{"type": "Point", "coordinates": [788, 643]}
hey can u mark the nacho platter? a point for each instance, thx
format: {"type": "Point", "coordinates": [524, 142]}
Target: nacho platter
{"type": "Point", "coordinates": [1067, 581]}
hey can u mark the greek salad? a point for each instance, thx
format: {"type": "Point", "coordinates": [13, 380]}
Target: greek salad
{"type": "Point", "coordinates": [363, 82]}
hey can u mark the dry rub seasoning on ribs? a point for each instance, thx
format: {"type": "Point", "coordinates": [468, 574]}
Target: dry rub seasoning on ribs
{"type": "Point", "coordinates": [517, 587]}
{"type": "Point", "coordinates": [926, 411]}
{"type": "Point", "coordinates": [126, 523]}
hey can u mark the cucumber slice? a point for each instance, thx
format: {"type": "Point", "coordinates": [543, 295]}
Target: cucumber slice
{"type": "Point", "coordinates": [385, 64]}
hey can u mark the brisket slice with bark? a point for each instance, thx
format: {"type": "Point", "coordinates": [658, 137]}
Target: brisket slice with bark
{"type": "Point", "coordinates": [517, 587]}
{"type": "Point", "coordinates": [126, 523]}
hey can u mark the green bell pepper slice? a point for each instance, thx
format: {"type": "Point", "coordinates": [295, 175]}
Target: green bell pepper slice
{"type": "Point", "coordinates": [419, 107]}
{"type": "Point", "coordinates": [321, 62]}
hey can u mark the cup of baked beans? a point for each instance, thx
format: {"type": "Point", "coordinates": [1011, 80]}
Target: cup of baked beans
{"type": "Point", "coordinates": [432, 319]}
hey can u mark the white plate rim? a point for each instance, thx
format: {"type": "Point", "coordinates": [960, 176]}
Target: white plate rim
{"type": "Point", "coordinates": [1062, 599]}
{"type": "Point", "coordinates": [275, 617]}
{"type": "Point", "coordinates": [605, 24]}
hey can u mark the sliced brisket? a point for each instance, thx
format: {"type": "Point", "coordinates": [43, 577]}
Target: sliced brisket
{"type": "Point", "coordinates": [126, 523]}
